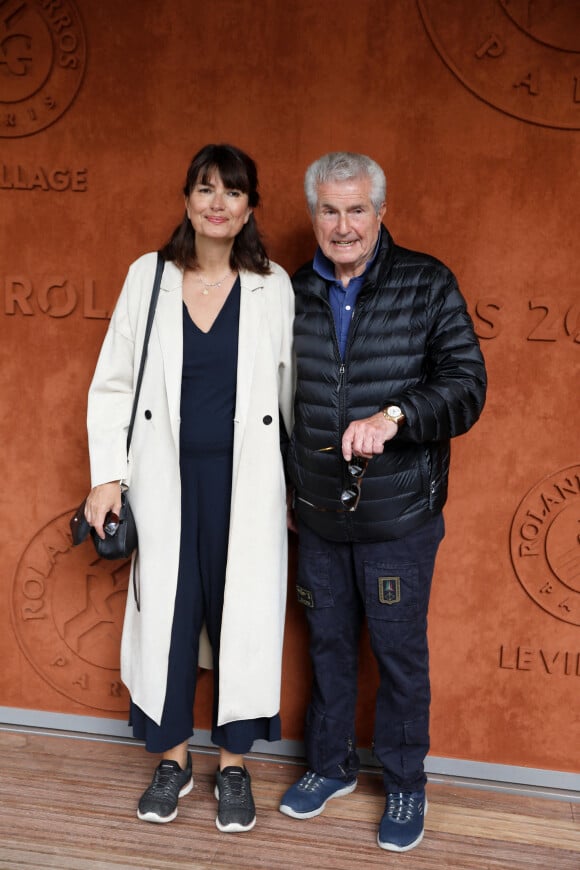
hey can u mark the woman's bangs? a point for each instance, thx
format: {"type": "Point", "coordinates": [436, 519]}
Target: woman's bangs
{"type": "Point", "coordinates": [231, 172]}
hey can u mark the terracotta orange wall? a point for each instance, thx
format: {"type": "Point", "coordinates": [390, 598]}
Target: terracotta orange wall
{"type": "Point", "coordinates": [474, 112]}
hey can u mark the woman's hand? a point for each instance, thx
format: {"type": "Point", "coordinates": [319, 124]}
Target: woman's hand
{"type": "Point", "coordinates": [100, 500]}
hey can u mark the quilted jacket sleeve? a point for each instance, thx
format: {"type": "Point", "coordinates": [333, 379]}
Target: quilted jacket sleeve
{"type": "Point", "coordinates": [451, 396]}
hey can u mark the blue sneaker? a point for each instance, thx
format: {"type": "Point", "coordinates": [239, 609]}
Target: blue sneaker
{"type": "Point", "coordinates": [402, 824]}
{"type": "Point", "coordinates": [308, 797]}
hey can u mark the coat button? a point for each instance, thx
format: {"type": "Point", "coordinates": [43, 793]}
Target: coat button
{"type": "Point", "coordinates": [267, 420]}
{"type": "Point", "coordinates": [148, 415]}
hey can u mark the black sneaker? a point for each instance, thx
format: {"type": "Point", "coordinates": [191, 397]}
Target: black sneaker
{"type": "Point", "coordinates": [236, 808]}
{"type": "Point", "coordinates": [159, 802]}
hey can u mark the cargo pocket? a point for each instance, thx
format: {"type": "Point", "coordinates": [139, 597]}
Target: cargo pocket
{"type": "Point", "coordinates": [391, 591]}
{"type": "Point", "coordinates": [313, 587]}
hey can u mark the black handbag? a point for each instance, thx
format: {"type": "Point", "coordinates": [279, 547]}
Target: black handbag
{"type": "Point", "coordinates": [120, 531]}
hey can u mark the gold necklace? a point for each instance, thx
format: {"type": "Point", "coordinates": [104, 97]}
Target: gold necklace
{"type": "Point", "coordinates": [207, 286]}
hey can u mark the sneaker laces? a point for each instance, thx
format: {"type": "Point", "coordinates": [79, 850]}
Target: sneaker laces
{"type": "Point", "coordinates": [401, 806]}
{"type": "Point", "coordinates": [311, 781]}
{"type": "Point", "coordinates": [163, 785]}
{"type": "Point", "coordinates": [234, 786]}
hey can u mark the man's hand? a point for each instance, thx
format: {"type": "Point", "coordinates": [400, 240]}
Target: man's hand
{"type": "Point", "coordinates": [367, 437]}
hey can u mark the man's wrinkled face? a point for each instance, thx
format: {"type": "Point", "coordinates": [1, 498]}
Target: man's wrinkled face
{"type": "Point", "coordinates": [346, 224]}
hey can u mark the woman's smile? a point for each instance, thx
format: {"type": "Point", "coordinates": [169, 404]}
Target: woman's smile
{"type": "Point", "coordinates": [211, 207]}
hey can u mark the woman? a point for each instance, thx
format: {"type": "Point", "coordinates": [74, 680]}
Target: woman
{"type": "Point", "coordinates": [206, 482]}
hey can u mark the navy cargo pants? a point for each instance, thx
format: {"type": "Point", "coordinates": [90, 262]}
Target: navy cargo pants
{"type": "Point", "coordinates": [389, 582]}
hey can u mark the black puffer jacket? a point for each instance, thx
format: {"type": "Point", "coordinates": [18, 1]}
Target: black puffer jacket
{"type": "Point", "coordinates": [411, 343]}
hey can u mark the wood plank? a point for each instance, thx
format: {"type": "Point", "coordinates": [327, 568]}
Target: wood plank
{"type": "Point", "coordinates": [71, 804]}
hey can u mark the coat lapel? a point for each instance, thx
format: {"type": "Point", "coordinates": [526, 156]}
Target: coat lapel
{"type": "Point", "coordinates": [251, 310]}
{"type": "Point", "coordinates": [169, 323]}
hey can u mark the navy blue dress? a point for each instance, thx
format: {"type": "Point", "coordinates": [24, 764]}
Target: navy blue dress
{"type": "Point", "coordinates": [208, 398]}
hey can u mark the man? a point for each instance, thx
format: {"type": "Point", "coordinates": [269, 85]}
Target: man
{"type": "Point", "coordinates": [389, 369]}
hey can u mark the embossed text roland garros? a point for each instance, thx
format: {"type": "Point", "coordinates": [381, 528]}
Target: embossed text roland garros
{"type": "Point", "coordinates": [42, 61]}
{"type": "Point", "coordinates": [545, 553]}
{"type": "Point", "coordinates": [70, 632]}
{"type": "Point", "coordinates": [519, 56]}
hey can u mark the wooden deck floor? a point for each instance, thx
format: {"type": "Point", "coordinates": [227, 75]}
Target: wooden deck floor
{"type": "Point", "coordinates": [70, 804]}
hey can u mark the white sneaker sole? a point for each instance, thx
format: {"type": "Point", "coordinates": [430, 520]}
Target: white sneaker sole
{"type": "Point", "coordinates": [162, 820]}
{"type": "Point", "coordinates": [288, 811]}
{"type": "Point", "coordinates": [391, 847]}
{"type": "Point", "coordinates": [233, 827]}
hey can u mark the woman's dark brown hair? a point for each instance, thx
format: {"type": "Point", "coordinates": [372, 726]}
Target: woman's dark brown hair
{"type": "Point", "coordinates": [238, 172]}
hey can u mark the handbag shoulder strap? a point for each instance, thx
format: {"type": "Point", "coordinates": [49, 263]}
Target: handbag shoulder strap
{"type": "Point", "coordinates": [148, 327]}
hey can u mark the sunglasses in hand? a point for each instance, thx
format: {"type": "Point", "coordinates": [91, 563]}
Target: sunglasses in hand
{"type": "Point", "coordinates": [350, 496]}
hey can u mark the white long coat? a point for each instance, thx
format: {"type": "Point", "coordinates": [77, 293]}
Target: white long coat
{"type": "Point", "coordinates": [255, 591]}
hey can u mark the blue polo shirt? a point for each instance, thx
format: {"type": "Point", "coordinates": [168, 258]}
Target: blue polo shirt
{"type": "Point", "coordinates": [342, 299]}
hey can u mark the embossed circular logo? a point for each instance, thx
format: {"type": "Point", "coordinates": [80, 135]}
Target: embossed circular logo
{"type": "Point", "coordinates": [67, 612]}
{"type": "Point", "coordinates": [42, 63]}
{"type": "Point", "coordinates": [545, 544]}
{"type": "Point", "coordinates": [520, 56]}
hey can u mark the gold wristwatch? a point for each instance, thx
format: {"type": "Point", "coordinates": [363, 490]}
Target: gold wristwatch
{"type": "Point", "coordinates": [394, 414]}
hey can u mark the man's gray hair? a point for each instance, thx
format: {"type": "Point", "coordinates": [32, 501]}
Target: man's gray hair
{"type": "Point", "coordinates": [342, 166]}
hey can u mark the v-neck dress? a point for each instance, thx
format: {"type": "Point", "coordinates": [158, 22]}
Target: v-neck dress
{"type": "Point", "coordinates": [208, 398]}
{"type": "Point", "coordinates": [208, 383]}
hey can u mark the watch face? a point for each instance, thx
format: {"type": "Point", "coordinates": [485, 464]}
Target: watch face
{"type": "Point", "coordinates": [394, 411]}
